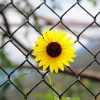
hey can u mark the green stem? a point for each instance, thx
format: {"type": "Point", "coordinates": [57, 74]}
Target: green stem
{"type": "Point", "coordinates": [51, 83]}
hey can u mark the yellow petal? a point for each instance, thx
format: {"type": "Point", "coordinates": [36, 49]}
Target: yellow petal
{"type": "Point", "coordinates": [66, 63]}
{"type": "Point", "coordinates": [56, 69]}
{"type": "Point", "coordinates": [61, 66]}
{"type": "Point", "coordinates": [45, 66]}
{"type": "Point", "coordinates": [41, 63]}
{"type": "Point", "coordinates": [37, 58]}
{"type": "Point", "coordinates": [51, 68]}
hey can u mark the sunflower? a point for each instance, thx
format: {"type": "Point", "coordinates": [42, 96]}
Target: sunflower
{"type": "Point", "coordinates": [53, 50]}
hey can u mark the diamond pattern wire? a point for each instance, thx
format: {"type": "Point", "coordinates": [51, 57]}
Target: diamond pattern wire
{"type": "Point", "coordinates": [19, 46]}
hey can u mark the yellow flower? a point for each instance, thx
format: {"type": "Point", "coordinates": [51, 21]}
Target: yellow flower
{"type": "Point", "coordinates": [54, 50]}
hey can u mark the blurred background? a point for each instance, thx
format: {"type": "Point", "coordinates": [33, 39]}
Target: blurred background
{"type": "Point", "coordinates": [22, 21]}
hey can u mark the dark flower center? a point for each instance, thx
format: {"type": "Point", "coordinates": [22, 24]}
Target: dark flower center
{"type": "Point", "coordinates": [53, 49]}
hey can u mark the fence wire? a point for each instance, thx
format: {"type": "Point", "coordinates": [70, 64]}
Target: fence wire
{"type": "Point", "coordinates": [18, 45]}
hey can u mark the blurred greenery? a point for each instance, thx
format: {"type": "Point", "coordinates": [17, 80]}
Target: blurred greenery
{"type": "Point", "coordinates": [3, 90]}
{"type": "Point", "coordinates": [50, 97]}
{"type": "Point", "coordinates": [94, 2]}
{"type": "Point", "coordinates": [4, 61]}
{"type": "Point", "coordinates": [37, 25]}
{"type": "Point", "coordinates": [75, 93]}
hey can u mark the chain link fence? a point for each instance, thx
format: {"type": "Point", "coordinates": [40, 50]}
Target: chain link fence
{"type": "Point", "coordinates": [6, 31]}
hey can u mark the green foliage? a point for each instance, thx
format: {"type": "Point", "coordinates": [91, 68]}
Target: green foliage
{"type": "Point", "coordinates": [36, 24]}
{"type": "Point", "coordinates": [22, 75]}
{"type": "Point", "coordinates": [77, 98]}
{"type": "Point", "coordinates": [94, 2]}
{"type": "Point", "coordinates": [50, 97]}
{"type": "Point", "coordinates": [1, 33]}
{"type": "Point", "coordinates": [18, 77]}
{"type": "Point", "coordinates": [2, 91]}
{"type": "Point", "coordinates": [4, 61]}
{"type": "Point", "coordinates": [67, 98]}
{"type": "Point", "coordinates": [45, 96]}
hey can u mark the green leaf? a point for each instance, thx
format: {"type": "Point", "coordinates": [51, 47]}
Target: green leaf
{"type": "Point", "coordinates": [67, 98]}
{"type": "Point", "coordinates": [77, 98]}
{"type": "Point", "coordinates": [23, 74]}
{"type": "Point", "coordinates": [17, 80]}
{"type": "Point", "coordinates": [49, 96]}
{"type": "Point", "coordinates": [45, 96]}
{"type": "Point", "coordinates": [4, 61]}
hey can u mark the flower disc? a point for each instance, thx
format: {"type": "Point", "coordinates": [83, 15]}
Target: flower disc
{"type": "Point", "coordinates": [54, 50]}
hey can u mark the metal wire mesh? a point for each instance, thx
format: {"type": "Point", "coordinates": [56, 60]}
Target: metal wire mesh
{"type": "Point", "coordinates": [13, 40]}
